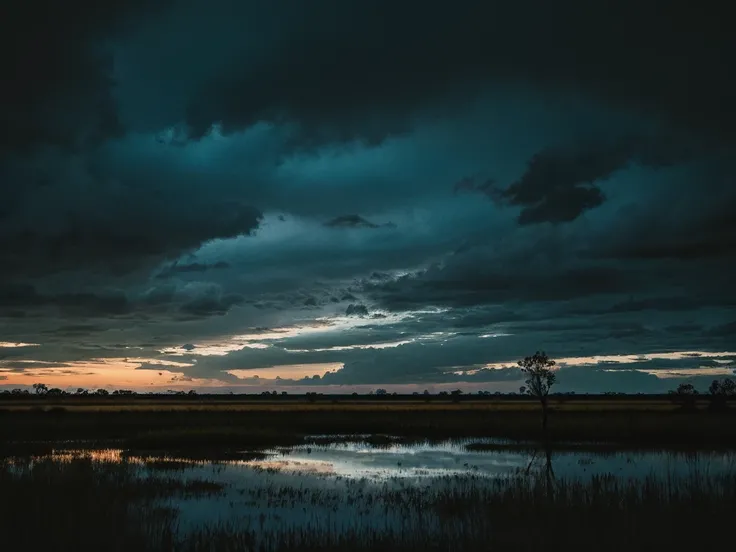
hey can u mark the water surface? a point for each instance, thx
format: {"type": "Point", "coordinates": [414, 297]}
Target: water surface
{"type": "Point", "coordinates": [349, 486]}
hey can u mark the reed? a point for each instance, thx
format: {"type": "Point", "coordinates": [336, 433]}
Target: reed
{"type": "Point", "coordinates": [520, 513]}
{"type": "Point", "coordinates": [84, 505]}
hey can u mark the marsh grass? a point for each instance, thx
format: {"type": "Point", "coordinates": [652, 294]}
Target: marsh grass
{"type": "Point", "coordinates": [518, 513]}
{"type": "Point", "coordinates": [183, 459]}
{"type": "Point", "coordinates": [84, 505]}
{"type": "Point", "coordinates": [264, 425]}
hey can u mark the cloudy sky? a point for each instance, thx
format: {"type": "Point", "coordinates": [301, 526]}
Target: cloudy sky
{"type": "Point", "coordinates": [337, 196]}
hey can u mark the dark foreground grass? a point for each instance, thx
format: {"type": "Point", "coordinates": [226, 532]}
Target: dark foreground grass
{"type": "Point", "coordinates": [82, 505]}
{"type": "Point", "coordinates": [607, 514]}
{"type": "Point", "coordinates": [177, 429]}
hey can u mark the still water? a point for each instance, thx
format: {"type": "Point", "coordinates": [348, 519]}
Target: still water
{"type": "Point", "coordinates": [348, 486]}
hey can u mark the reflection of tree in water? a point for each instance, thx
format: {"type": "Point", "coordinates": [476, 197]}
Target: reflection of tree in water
{"type": "Point", "coordinates": [542, 457]}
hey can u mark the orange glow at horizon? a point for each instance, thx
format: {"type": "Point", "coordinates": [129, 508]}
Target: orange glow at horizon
{"type": "Point", "coordinates": [160, 374]}
{"type": "Point", "coordinates": [125, 374]}
{"type": "Point", "coordinates": [107, 374]}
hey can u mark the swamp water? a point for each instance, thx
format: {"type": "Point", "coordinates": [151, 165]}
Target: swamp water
{"type": "Point", "coordinates": [346, 486]}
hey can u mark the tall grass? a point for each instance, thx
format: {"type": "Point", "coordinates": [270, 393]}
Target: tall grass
{"type": "Point", "coordinates": [605, 513]}
{"type": "Point", "coordinates": [81, 505]}
{"type": "Point", "coordinates": [178, 429]}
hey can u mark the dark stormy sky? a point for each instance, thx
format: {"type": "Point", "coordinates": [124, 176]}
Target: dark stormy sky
{"type": "Point", "coordinates": [373, 193]}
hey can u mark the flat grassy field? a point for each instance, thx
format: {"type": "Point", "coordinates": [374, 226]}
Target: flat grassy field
{"type": "Point", "coordinates": [72, 404]}
{"type": "Point", "coordinates": [203, 421]}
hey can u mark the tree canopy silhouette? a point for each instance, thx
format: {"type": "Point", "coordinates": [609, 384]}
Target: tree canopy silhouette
{"type": "Point", "coordinates": [685, 395]}
{"type": "Point", "coordinates": [540, 377]}
{"type": "Point", "coordinates": [720, 391]}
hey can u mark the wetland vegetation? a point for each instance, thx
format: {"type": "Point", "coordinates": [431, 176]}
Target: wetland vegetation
{"type": "Point", "coordinates": [385, 473]}
{"type": "Point", "coordinates": [349, 496]}
{"type": "Point", "coordinates": [150, 422]}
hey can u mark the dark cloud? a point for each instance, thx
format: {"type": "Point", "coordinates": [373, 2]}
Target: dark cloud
{"type": "Point", "coordinates": [356, 310]}
{"type": "Point", "coordinates": [473, 184]}
{"type": "Point", "coordinates": [58, 73]}
{"type": "Point", "coordinates": [187, 268]}
{"type": "Point", "coordinates": [22, 365]}
{"type": "Point", "coordinates": [561, 184]}
{"type": "Point", "coordinates": [164, 193]}
{"type": "Point", "coordinates": [683, 328]}
{"type": "Point", "coordinates": [75, 330]}
{"type": "Point", "coordinates": [207, 300]}
{"type": "Point", "coordinates": [695, 226]}
{"type": "Point", "coordinates": [121, 230]}
{"type": "Point", "coordinates": [27, 297]}
{"type": "Point", "coordinates": [470, 279]}
{"type": "Point", "coordinates": [724, 330]}
{"type": "Point", "coordinates": [371, 64]}
{"type": "Point", "coordinates": [195, 299]}
{"type": "Point", "coordinates": [63, 206]}
{"type": "Point", "coordinates": [350, 221]}
{"type": "Point", "coordinates": [558, 188]}
{"type": "Point", "coordinates": [657, 303]}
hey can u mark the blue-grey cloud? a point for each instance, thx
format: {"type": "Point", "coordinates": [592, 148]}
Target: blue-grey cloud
{"type": "Point", "coordinates": [295, 165]}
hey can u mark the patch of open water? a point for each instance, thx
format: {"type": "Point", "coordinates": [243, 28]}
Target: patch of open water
{"type": "Point", "coordinates": [344, 486]}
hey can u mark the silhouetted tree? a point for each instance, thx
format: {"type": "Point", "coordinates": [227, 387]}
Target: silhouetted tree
{"type": "Point", "coordinates": [540, 378]}
{"type": "Point", "coordinates": [82, 391]}
{"type": "Point", "coordinates": [54, 392]}
{"type": "Point", "coordinates": [102, 392]}
{"type": "Point", "coordinates": [381, 392]}
{"type": "Point", "coordinates": [685, 395]}
{"type": "Point", "coordinates": [40, 388]}
{"type": "Point", "coordinates": [719, 392]}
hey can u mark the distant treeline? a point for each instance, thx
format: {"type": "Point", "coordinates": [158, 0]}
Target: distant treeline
{"type": "Point", "coordinates": [84, 394]}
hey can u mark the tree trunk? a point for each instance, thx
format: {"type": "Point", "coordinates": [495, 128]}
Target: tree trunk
{"type": "Point", "coordinates": [544, 416]}
{"type": "Point", "coordinates": [548, 471]}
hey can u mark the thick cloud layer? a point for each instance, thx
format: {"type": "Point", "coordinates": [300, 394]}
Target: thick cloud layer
{"type": "Point", "coordinates": [178, 173]}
